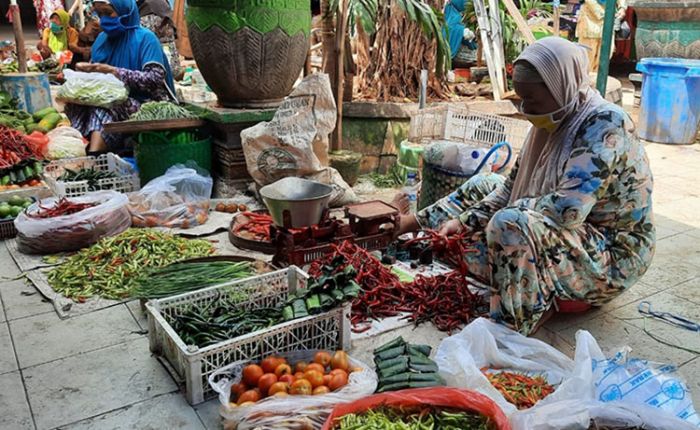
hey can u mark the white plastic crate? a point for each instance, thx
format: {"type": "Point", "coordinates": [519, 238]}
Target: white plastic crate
{"type": "Point", "coordinates": [328, 331]}
{"type": "Point", "coordinates": [126, 181]}
{"type": "Point", "coordinates": [464, 125]}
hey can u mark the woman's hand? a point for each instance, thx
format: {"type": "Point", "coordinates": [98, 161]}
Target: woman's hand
{"type": "Point", "coordinates": [96, 68]}
{"type": "Point", "coordinates": [451, 227]}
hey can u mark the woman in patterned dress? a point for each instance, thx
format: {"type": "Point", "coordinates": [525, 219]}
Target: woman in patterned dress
{"type": "Point", "coordinates": [574, 218]}
{"type": "Point", "coordinates": [132, 54]}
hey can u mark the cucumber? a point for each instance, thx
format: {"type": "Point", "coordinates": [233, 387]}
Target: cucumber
{"type": "Point", "coordinates": [40, 114]}
{"type": "Point", "coordinates": [28, 172]}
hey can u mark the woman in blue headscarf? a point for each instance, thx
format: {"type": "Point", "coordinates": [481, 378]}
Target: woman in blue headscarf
{"type": "Point", "coordinates": [134, 55]}
{"type": "Point", "coordinates": [455, 31]}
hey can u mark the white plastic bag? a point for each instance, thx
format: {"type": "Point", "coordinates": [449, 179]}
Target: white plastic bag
{"type": "Point", "coordinates": [65, 142]}
{"type": "Point", "coordinates": [178, 199]}
{"type": "Point", "coordinates": [91, 89]}
{"type": "Point", "coordinates": [72, 232]}
{"type": "Point", "coordinates": [485, 344]}
{"type": "Point", "coordinates": [291, 412]}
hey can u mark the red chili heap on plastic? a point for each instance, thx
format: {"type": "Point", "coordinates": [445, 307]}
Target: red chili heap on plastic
{"type": "Point", "coordinates": [62, 207]}
{"type": "Point", "coordinates": [14, 147]}
{"type": "Point", "coordinates": [445, 299]}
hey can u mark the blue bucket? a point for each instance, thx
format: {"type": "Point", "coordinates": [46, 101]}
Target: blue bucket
{"type": "Point", "coordinates": [670, 102]}
{"type": "Point", "coordinates": [31, 90]}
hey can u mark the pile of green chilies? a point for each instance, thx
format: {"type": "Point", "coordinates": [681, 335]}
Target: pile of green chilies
{"type": "Point", "coordinates": [420, 419]}
{"type": "Point", "coordinates": [154, 111]}
{"type": "Point", "coordinates": [110, 268]}
{"type": "Point", "coordinates": [185, 276]}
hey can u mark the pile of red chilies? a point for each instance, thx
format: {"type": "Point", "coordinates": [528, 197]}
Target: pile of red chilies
{"type": "Point", "coordinates": [445, 299]}
{"type": "Point", "coordinates": [62, 207]}
{"type": "Point", "coordinates": [14, 148]}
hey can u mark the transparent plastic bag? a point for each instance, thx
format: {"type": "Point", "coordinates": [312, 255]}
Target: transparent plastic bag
{"type": "Point", "coordinates": [485, 344]}
{"type": "Point", "coordinates": [291, 412]}
{"type": "Point", "coordinates": [65, 142]}
{"type": "Point", "coordinates": [92, 89]}
{"type": "Point", "coordinates": [178, 199]}
{"type": "Point", "coordinates": [76, 231]}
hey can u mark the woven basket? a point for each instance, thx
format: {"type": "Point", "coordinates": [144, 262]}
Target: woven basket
{"type": "Point", "coordinates": [438, 182]}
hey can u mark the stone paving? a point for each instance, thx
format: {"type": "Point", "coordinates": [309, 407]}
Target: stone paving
{"type": "Point", "coordinates": [95, 371]}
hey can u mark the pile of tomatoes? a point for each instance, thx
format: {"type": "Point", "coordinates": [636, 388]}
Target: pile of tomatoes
{"type": "Point", "coordinates": [274, 376]}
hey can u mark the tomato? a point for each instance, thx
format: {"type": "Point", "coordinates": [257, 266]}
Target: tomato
{"type": "Point", "coordinates": [340, 361]}
{"type": "Point", "coordinates": [300, 386]}
{"type": "Point", "coordinates": [265, 382]}
{"type": "Point", "coordinates": [300, 367]}
{"type": "Point", "coordinates": [289, 379]}
{"type": "Point", "coordinates": [283, 369]}
{"type": "Point", "coordinates": [338, 381]}
{"type": "Point", "coordinates": [281, 394]}
{"type": "Point", "coordinates": [323, 358]}
{"type": "Point", "coordinates": [278, 387]}
{"type": "Point", "coordinates": [317, 367]}
{"type": "Point", "coordinates": [321, 390]}
{"type": "Point", "coordinates": [249, 396]}
{"type": "Point", "coordinates": [251, 374]}
{"type": "Point", "coordinates": [327, 379]}
{"type": "Point", "coordinates": [338, 372]}
{"type": "Point", "coordinates": [270, 364]}
{"type": "Point", "coordinates": [298, 375]}
{"type": "Point", "coordinates": [237, 390]}
{"type": "Point", "coordinates": [314, 377]}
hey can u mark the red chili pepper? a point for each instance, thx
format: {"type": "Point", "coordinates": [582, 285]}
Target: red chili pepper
{"type": "Point", "coordinates": [62, 207]}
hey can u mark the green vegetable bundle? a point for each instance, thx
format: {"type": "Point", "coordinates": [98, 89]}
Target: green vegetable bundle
{"type": "Point", "coordinates": [402, 365]}
{"type": "Point", "coordinates": [92, 177]}
{"type": "Point", "coordinates": [335, 286]}
{"type": "Point", "coordinates": [424, 418]}
{"type": "Point", "coordinates": [92, 89]}
{"type": "Point", "coordinates": [154, 111]}
{"type": "Point", "coordinates": [185, 276]}
{"type": "Point", "coordinates": [110, 268]}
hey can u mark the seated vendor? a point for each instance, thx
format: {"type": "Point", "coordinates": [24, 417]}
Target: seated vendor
{"type": "Point", "coordinates": [59, 36]}
{"type": "Point", "coordinates": [461, 39]}
{"type": "Point", "coordinates": [132, 54]}
{"type": "Point", "coordinates": [574, 218]}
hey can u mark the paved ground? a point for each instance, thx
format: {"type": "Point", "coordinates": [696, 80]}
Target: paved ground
{"type": "Point", "coordinates": [95, 371]}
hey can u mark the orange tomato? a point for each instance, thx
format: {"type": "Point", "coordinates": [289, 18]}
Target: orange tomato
{"type": "Point", "coordinates": [251, 374]}
{"type": "Point", "coordinates": [301, 386]}
{"type": "Point", "coordinates": [338, 372]}
{"type": "Point", "coordinates": [300, 366]}
{"type": "Point", "coordinates": [283, 369]}
{"type": "Point", "coordinates": [340, 361]}
{"type": "Point", "coordinates": [265, 382]}
{"type": "Point", "coordinates": [278, 387]}
{"type": "Point", "coordinates": [327, 379]}
{"type": "Point", "coordinates": [281, 394]}
{"type": "Point", "coordinates": [323, 358]}
{"type": "Point", "coordinates": [237, 390]}
{"type": "Point", "coordinates": [298, 375]}
{"type": "Point", "coordinates": [317, 367]}
{"type": "Point", "coordinates": [289, 379]}
{"type": "Point", "coordinates": [270, 363]}
{"type": "Point", "coordinates": [321, 390]}
{"type": "Point", "coordinates": [314, 377]}
{"type": "Point", "coordinates": [249, 396]}
{"type": "Point", "coordinates": [338, 381]}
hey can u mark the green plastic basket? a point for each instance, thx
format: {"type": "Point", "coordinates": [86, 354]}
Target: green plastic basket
{"type": "Point", "coordinates": [158, 151]}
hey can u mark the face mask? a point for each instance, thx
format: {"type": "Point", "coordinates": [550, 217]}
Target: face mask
{"type": "Point", "coordinates": [112, 26]}
{"type": "Point", "coordinates": [547, 121]}
{"type": "Point", "coordinates": [55, 28]}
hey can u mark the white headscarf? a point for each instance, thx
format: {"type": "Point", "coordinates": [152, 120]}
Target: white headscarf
{"type": "Point", "coordinates": [563, 66]}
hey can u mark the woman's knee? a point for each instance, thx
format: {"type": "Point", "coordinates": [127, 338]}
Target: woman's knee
{"type": "Point", "coordinates": [506, 219]}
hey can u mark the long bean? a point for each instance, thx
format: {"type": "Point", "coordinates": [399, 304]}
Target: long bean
{"type": "Point", "coordinates": [110, 268]}
{"type": "Point", "coordinates": [420, 419]}
{"type": "Point", "coordinates": [153, 111]}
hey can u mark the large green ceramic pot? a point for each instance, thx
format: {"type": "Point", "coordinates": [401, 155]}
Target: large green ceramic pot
{"type": "Point", "coordinates": [250, 52]}
{"type": "Point", "coordinates": [667, 28]}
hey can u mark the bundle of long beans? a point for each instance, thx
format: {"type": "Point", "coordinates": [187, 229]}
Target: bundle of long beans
{"type": "Point", "coordinates": [186, 276]}
{"type": "Point", "coordinates": [153, 111]}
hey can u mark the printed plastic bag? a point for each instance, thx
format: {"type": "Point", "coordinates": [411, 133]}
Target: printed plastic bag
{"type": "Point", "coordinates": [292, 412]}
{"type": "Point", "coordinates": [438, 396]}
{"type": "Point", "coordinates": [76, 231]}
{"type": "Point", "coordinates": [485, 344]}
{"type": "Point", "coordinates": [91, 89]}
{"type": "Point", "coordinates": [65, 142]}
{"type": "Point", "coordinates": [178, 199]}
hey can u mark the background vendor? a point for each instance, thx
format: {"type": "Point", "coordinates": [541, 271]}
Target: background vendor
{"type": "Point", "coordinates": [574, 218]}
{"type": "Point", "coordinates": [59, 36]}
{"type": "Point", "coordinates": [132, 54]}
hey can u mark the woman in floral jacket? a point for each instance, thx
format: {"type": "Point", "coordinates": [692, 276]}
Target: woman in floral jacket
{"type": "Point", "coordinates": [574, 218]}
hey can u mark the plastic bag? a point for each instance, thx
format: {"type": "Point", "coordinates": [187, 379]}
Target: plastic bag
{"type": "Point", "coordinates": [292, 412]}
{"type": "Point", "coordinates": [91, 89]}
{"type": "Point", "coordinates": [178, 199]}
{"type": "Point", "coordinates": [76, 231]}
{"type": "Point", "coordinates": [65, 142]}
{"type": "Point", "coordinates": [485, 344]}
{"type": "Point", "coordinates": [439, 396]}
